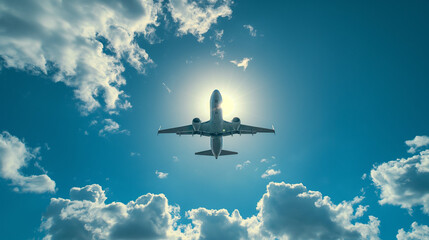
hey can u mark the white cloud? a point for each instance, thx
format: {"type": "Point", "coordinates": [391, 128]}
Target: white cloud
{"type": "Point", "coordinates": [14, 156]}
{"type": "Point", "coordinates": [404, 182]}
{"type": "Point", "coordinates": [286, 211]}
{"type": "Point", "coordinates": [135, 154]}
{"type": "Point", "coordinates": [243, 63]}
{"type": "Point", "coordinates": [363, 176]}
{"type": "Point", "coordinates": [111, 127]}
{"type": "Point", "coordinates": [264, 160]}
{"type": "Point", "coordinates": [418, 232]}
{"type": "Point", "coordinates": [290, 211]}
{"type": "Point", "coordinates": [417, 142]}
{"type": "Point", "coordinates": [65, 39]}
{"type": "Point", "coordinates": [196, 18]}
{"type": "Point", "coordinates": [175, 158]}
{"type": "Point", "coordinates": [218, 35]}
{"type": "Point", "coordinates": [161, 175]}
{"type": "Point", "coordinates": [270, 172]}
{"type": "Point", "coordinates": [218, 53]}
{"type": "Point", "coordinates": [218, 38]}
{"type": "Point", "coordinates": [82, 43]}
{"type": "Point", "coordinates": [252, 30]}
{"type": "Point", "coordinates": [166, 87]}
{"type": "Point", "coordinates": [241, 166]}
{"type": "Point", "coordinates": [219, 224]}
{"type": "Point", "coordinates": [86, 216]}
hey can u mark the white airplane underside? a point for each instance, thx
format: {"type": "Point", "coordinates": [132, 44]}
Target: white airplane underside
{"type": "Point", "coordinates": [216, 128]}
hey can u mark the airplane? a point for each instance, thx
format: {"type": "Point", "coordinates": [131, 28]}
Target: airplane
{"type": "Point", "coordinates": [216, 128]}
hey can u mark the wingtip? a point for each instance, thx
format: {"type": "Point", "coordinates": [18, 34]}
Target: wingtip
{"type": "Point", "coordinates": [157, 133]}
{"type": "Point", "coordinates": [272, 126]}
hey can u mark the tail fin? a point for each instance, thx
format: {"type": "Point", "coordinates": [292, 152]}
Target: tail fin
{"type": "Point", "coordinates": [226, 152]}
{"type": "Point", "coordinates": [210, 153]}
{"type": "Point", "coordinates": [206, 153]}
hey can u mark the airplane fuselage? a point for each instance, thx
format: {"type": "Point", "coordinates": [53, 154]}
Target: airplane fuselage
{"type": "Point", "coordinates": [216, 122]}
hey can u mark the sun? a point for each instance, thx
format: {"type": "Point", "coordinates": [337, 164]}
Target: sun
{"type": "Point", "coordinates": [228, 105]}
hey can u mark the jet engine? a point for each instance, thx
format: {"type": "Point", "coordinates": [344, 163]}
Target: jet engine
{"type": "Point", "coordinates": [236, 123]}
{"type": "Point", "coordinates": [196, 124]}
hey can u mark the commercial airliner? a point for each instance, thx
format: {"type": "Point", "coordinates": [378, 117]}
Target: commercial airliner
{"type": "Point", "coordinates": [216, 128]}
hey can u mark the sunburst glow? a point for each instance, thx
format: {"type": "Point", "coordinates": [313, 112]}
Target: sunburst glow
{"type": "Point", "coordinates": [228, 105]}
{"type": "Point", "coordinates": [239, 94]}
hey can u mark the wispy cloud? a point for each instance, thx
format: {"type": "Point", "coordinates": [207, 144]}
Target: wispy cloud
{"type": "Point", "coordinates": [243, 63]}
{"type": "Point", "coordinates": [241, 166]}
{"type": "Point", "coordinates": [135, 154]}
{"type": "Point", "coordinates": [218, 35]}
{"type": "Point", "coordinates": [175, 158]}
{"type": "Point", "coordinates": [270, 172]}
{"type": "Point", "coordinates": [166, 87]}
{"type": "Point", "coordinates": [417, 142]}
{"type": "Point", "coordinates": [111, 127]}
{"type": "Point", "coordinates": [218, 40]}
{"type": "Point", "coordinates": [263, 160]}
{"type": "Point", "coordinates": [219, 52]}
{"type": "Point", "coordinates": [161, 175]}
{"type": "Point", "coordinates": [252, 30]}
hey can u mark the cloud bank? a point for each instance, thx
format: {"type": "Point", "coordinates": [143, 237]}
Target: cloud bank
{"type": "Point", "coordinates": [82, 43]}
{"type": "Point", "coordinates": [286, 211]}
{"type": "Point", "coordinates": [65, 39]}
{"type": "Point", "coordinates": [418, 232]}
{"type": "Point", "coordinates": [86, 216]}
{"type": "Point", "coordinates": [404, 182]}
{"type": "Point", "coordinates": [14, 156]}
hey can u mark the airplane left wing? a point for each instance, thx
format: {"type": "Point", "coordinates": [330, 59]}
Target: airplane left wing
{"type": "Point", "coordinates": [244, 129]}
{"type": "Point", "coordinates": [186, 130]}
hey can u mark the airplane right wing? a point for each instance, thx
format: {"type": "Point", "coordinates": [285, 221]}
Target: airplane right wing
{"type": "Point", "coordinates": [187, 130]}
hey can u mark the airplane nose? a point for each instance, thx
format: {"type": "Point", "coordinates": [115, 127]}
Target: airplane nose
{"type": "Point", "coordinates": [216, 94]}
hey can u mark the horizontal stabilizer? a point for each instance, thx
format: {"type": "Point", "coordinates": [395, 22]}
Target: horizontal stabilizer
{"type": "Point", "coordinates": [210, 153]}
{"type": "Point", "coordinates": [206, 153]}
{"type": "Point", "coordinates": [226, 152]}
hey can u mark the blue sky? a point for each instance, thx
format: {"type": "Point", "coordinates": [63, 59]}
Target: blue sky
{"type": "Point", "coordinates": [84, 90]}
